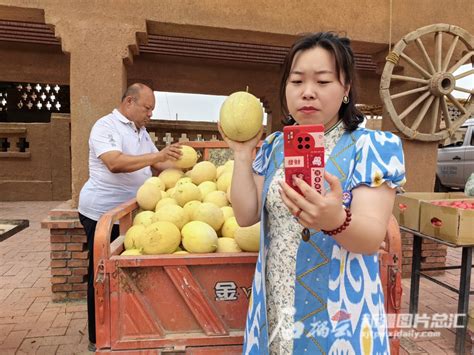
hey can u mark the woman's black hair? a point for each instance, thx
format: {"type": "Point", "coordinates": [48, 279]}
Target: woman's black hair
{"type": "Point", "coordinates": [340, 47]}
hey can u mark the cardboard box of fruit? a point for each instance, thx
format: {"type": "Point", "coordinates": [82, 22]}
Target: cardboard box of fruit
{"type": "Point", "coordinates": [407, 206]}
{"type": "Point", "coordinates": [449, 220]}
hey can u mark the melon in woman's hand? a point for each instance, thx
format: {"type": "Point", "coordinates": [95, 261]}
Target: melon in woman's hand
{"type": "Point", "coordinates": [241, 116]}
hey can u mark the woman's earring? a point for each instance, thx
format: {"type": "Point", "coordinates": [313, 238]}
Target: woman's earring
{"type": "Point", "coordinates": [345, 99]}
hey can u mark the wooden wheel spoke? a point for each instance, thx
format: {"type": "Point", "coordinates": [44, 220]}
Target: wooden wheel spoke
{"type": "Point", "coordinates": [438, 49]}
{"type": "Point", "coordinates": [427, 59]}
{"type": "Point", "coordinates": [444, 108]}
{"type": "Point", "coordinates": [461, 62]}
{"type": "Point", "coordinates": [434, 116]}
{"type": "Point", "coordinates": [416, 66]}
{"type": "Point", "coordinates": [463, 75]}
{"type": "Point", "coordinates": [422, 113]}
{"type": "Point", "coordinates": [450, 53]}
{"type": "Point", "coordinates": [438, 69]}
{"type": "Point", "coordinates": [409, 92]}
{"type": "Point", "coordinates": [409, 78]}
{"type": "Point", "coordinates": [413, 105]}
{"type": "Point", "coordinates": [464, 90]}
{"type": "Point", "coordinates": [456, 103]}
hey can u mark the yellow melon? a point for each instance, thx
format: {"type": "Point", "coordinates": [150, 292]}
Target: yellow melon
{"type": "Point", "coordinates": [206, 187]}
{"type": "Point", "coordinates": [185, 193]}
{"type": "Point", "coordinates": [219, 171]}
{"type": "Point", "coordinates": [170, 192]}
{"type": "Point", "coordinates": [218, 198]}
{"type": "Point", "coordinates": [227, 245]}
{"type": "Point", "coordinates": [209, 213]}
{"type": "Point", "coordinates": [148, 196]}
{"type": "Point", "coordinates": [172, 213]}
{"type": "Point", "coordinates": [229, 227]}
{"type": "Point", "coordinates": [170, 176]}
{"type": "Point", "coordinates": [199, 237]}
{"type": "Point", "coordinates": [229, 165]}
{"type": "Point", "coordinates": [248, 238]}
{"type": "Point", "coordinates": [165, 201]}
{"type": "Point", "coordinates": [183, 180]}
{"type": "Point", "coordinates": [241, 116]}
{"type": "Point", "coordinates": [188, 158]}
{"type": "Point", "coordinates": [203, 171]}
{"type": "Point", "coordinates": [131, 252]}
{"type": "Point", "coordinates": [228, 194]}
{"type": "Point", "coordinates": [228, 212]}
{"type": "Point", "coordinates": [224, 181]}
{"type": "Point", "coordinates": [143, 217]}
{"type": "Point", "coordinates": [191, 206]}
{"type": "Point", "coordinates": [160, 238]}
{"type": "Point", "coordinates": [132, 237]}
{"type": "Point", "coordinates": [155, 180]}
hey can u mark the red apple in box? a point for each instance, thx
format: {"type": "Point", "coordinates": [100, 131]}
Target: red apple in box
{"type": "Point", "coordinates": [463, 204]}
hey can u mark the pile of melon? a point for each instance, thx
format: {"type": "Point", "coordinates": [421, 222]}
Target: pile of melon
{"type": "Point", "coordinates": [189, 212]}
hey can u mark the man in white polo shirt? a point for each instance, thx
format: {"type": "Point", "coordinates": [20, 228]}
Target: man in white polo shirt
{"type": "Point", "coordinates": [121, 155]}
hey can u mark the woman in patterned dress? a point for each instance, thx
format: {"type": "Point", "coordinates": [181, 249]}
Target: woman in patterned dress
{"type": "Point", "coordinates": [323, 296]}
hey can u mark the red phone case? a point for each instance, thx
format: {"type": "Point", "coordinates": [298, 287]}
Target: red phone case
{"type": "Point", "coordinates": [304, 155]}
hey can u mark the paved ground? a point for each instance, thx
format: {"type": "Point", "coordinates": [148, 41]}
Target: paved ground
{"type": "Point", "coordinates": [31, 323]}
{"type": "Point", "coordinates": [435, 299]}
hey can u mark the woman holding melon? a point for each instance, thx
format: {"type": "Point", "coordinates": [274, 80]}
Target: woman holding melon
{"type": "Point", "coordinates": [323, 295]}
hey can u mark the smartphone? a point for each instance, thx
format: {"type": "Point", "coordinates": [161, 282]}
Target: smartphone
{"type": "Point", "coordinates": [304, 155]}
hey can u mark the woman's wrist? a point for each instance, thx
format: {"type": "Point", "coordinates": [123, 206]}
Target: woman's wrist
{"type": "Point", "coordinates": [243, 155]}
{"type": "Point", "coordinates": [346, 220]}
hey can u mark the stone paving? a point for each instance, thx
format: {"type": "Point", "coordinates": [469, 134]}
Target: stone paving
{"type": "Point", "coordinates": [30, 323]}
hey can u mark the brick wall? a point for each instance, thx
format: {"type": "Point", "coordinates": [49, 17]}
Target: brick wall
{"type": "Point", "coordinates": [69, 255]}
{"type": "Point", "coordinates": [433, 254]}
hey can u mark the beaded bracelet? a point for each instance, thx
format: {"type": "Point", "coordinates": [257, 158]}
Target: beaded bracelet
{"type": "Point", "coordinates": [342, 226]}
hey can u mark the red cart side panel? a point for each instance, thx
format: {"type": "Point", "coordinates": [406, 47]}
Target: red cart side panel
{"type": "Point", "coordinates": [158, 305]}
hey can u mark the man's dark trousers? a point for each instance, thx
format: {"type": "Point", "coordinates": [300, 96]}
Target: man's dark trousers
{"type": "Point", "coordinates": [89, 227]}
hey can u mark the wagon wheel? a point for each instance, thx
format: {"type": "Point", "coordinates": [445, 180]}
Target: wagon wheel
{"type": "Point", "coordinates": [433, 83]}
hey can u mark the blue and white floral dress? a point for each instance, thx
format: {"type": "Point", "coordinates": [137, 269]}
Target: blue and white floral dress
{"type": "Point", "coordinates": [316, 297]}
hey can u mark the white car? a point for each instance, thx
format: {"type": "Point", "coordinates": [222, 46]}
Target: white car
{"type": "Point", "coordinates": [456, 160]}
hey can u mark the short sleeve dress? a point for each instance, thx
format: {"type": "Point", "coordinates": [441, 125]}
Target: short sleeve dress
{"type": "Point", "coordinates": [369, 167]}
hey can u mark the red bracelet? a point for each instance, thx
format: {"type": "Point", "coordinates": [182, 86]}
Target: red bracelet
{"type": "Point", "coordinates": [342, 226]}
